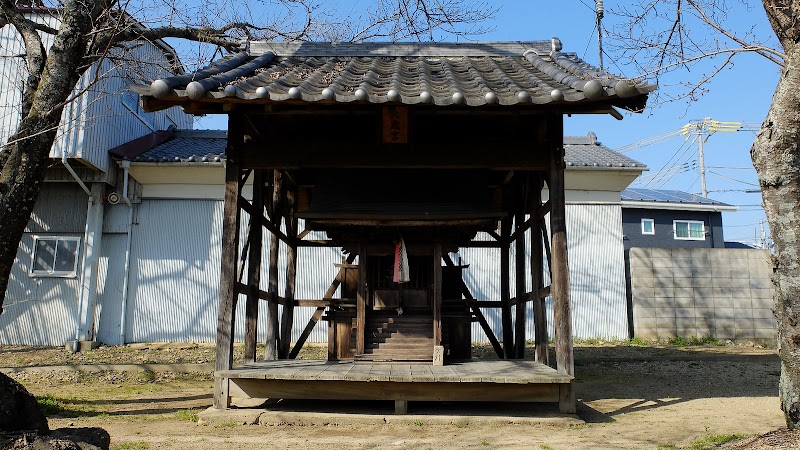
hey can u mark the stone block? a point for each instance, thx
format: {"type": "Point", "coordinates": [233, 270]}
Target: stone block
{"type": "Point", "coordinates": [665, 321]}
{"type": "Point", "coordinates": [661, 264]}
{"type": "Point", "coordinates": [683, 282]}
{"type": "Point", "coordinates": [642, 282]}
{"type": "Point", "coordinates": [648, 302]}
{"type": "Point", "coordinates": [764, 323]}
{"type": "Point", "coordinates": [762, 313]}
{"type": "Point", "coordinates": [704, 329]}
{"type": "Point", "coordinates": [686, 331]}
{"type": "Point", "coordinates": [664, 292]}
{"type": "Point", "coordinates": [645, 333]}
{"type": "Point", "coordinates": [644, 323]}
{"type": "Point", "coordinates": [724, 314]}
{"type": "Point", "coordinates": [767, 334]}
{"type": "Point", "coordinates": [683, 292]}
{"type": "Point", "coordinates": [663, 279]}
{"type": "Point", "coordinates": [760, 302]}
{"type": "Point", "coordinates": [725, 331]}
{"type": "Point", "coordinates": [742, 334]}
{"type": "Point", "coordinates": [665, 312]}
{"type": "Point", "coordinates": [740, 272]}
{"type": "Point", "coordinates": [660, 253]}
{"type": "Point", "coordinates": [721, 291]}
{"type": "Point", "coordinates": [740, 283]}
{"type": "Point", "coordinates": [682, 252]}
{"type": "Point", "coordinates": [685, 322]}
{"type": "Point", "coordinates": [685, 312]}
{"type": "Point", "coordinates": [744, 313]}
{"type": "Point", "coordinates": [721, 272]}
{"type": "Point", "coordinates": [758, 282]}
{"type": "Point", "coordinates": [638, 253]}
{"type": "Point", "coordinates": [741, 294]}
{"type": "Point", "coordinates": [742, 322]}
{"type": "Point", "coordinates": [704, 295]}
{"type": "Point", "coordinates": [667, 333]}
{"type": "Point", "coordinates": [724, 302]}
{"type": "Point", "coordinates": [705, 282]}
{"type": "Point", "coordinates": [642, 312]}
{"type": "Point", "coordinates": [682, 271]}
{"type": "Point", "coordinates": [684, 302]}
{"type": "Point", "coordinates": [701, 272]}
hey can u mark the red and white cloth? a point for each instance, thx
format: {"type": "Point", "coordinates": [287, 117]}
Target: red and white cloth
{"type": "Point", "coordinates": [400, 263]}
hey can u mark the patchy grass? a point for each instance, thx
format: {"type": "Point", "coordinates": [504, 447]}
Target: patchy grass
{"type": "Point", "coordinates": [52, 405]}
{"type": "Point", "coordinates": [139, 445]}
{"type": "Point", "coordinates": [546, 447]}
{"type": "Point", "coordinates": [188, 415]}
{"type": "Point", "coordinates": [694, 341]}
{"type": "Point", "coordinates": [226, 424]}
{"type": "Point", "coordinates": [709, 442]}
{"type": "Point", "coordinates": [417, 422]}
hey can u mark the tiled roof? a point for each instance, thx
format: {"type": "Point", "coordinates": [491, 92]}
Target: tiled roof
{"type": "Point", "coordinates": [587, 152]}
{"type": "Point", "coordinates": [473, 74]}
{"type": "Point", "coordinates": [200, 146]}
{"type": "Point", "coordinates": [666, 196]}
{"type": "Point", "coordinates": [209, 146]}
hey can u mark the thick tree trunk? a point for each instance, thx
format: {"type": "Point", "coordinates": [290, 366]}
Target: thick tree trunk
{"type": "Point", "coordinates": [776, 157]}
{"type": "Point", "coordinates": [23, 162]}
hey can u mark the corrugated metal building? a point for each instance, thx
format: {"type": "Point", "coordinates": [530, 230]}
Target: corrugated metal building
{"type": "Point", "coordinates": [173, 280]}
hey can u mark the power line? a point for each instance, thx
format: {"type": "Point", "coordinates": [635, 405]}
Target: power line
{"type": "Point", "coordinates": [733, 179]}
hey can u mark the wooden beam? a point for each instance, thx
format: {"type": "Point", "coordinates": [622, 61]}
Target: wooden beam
{"type": "Point", "coordinates": [521, 229]}
{"type": "Point", "coordinates": [226, 314]}
{"type": "Point", "coordinates": [361, 304]}
{"type": "Point", "coordinates": [316, 243]}
{"type": "Point", "coordinates": [320, 311]}
{"type": "Point", "coordinates": [547, 251]}
{"type": "Point", "coordinates": [274, 246]}
{"type": "Point", "coordinates": [437, 293]}
{"type": "Point", "coordinates": [519, 255]}
{"type": "Point", "coordinates": [539, 293]}
{"type": "Point", "coordinates": [287, 321]}
{"type": "Point", "coordinates": [483, 244]}
{"type": "Point", "coordinates": [259, 293]}
{"type": "Point", "coordinates": [473, 305]}
{"type": "Point", "coordinates": [266, 221]}
{"type": "Point", "coordinates": [255, 234]}
{"type": "Point", "coordinates": [562, 314]}
{"type": "Point", "coordinates": [485, 303]}
{"type": "Point", "coordinates": [505, 289]}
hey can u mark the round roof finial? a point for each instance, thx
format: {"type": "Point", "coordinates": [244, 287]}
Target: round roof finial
{"type": "Point", "coordinates": [490, 97]}
{"type": "Point", "coordinates": [262, 92]}
{"type": "Point", "coordinates": [328, 94]}
{"type": "Point", "coordinates": [425, 96]}
{"type": "Point", "coordinates": [625, 89]}
{"type": "Point", "coordinates": [195, 90]}
{"type": "Point", "coordinates": [523, 96]}
{"type": "Point", "coordinates": [557, 95]}
{"type": "Point", "coordinates": [393, 95]}
{"type": "Point", "coordinates": [160, 89]}
{"type": "Point", "coordinates": [294, 93]}
{"type": "Point", "coordinates": [458, 98]}
{"type": "Point", "coordinates": [229, 91]}
{"type": "Point", "coordinates": [361, 94]}
{"type": "Point", "coordinates": [555, 44]}
{"type": "Point", "coordinates": [593, 89]}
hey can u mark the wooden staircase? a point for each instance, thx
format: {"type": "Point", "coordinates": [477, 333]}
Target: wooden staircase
{"type": "Point", "coordinates": [398, 338]}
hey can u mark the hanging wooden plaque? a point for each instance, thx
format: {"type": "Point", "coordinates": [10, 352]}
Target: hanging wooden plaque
{"type": "Point", "coordinates": [395, 125]}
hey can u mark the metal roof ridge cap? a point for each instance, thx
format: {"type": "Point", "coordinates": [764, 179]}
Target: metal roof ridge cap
{"type": "Point", "coordinates": [502, 48]}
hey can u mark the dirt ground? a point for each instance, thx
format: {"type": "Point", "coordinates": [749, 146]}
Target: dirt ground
{"type": "Point", "coordinates": [629, 397]}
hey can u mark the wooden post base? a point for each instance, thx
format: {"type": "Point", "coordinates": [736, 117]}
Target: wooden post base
{"type": "Point", "coordinates": [401, 407]}
{"type": "Point", "coordinates": [566, 399]}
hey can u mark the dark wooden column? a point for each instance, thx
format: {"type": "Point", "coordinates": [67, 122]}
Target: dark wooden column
{"type": "Point", "coordinates": [274, 246]}
{"type": "Point", "coordinates": [230, 246]}
{"type": "Point", "coordinates": [559, 286]}
{"type": "Point", "coordinates": [254, 267]}
{"type": "Point", "coordinates": [287, 321]}
{"type": "Point", "coordinates": [361, 301]}
{"type": "Point", "coordinates": [539, 316]}
{"type": "Point", "coordinates": [505, 288]}
{"type": "Point", "coordinates": [519, 256]}
{"type": "Point", "coordinates": [437, 293]}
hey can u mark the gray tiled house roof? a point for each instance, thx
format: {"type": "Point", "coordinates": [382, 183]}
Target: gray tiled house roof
{"type": "Point", "coordinates": [442, 74]}
{"type": "Point", "coordinates": [204, 146]}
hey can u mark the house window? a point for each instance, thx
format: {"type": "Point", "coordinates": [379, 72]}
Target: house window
{"type": "Point", "coordinates": [648, 226]}
{"type": "Point", "coordinates": [55, 256]}
{"type": "Point", "coordinates": [692, 230]}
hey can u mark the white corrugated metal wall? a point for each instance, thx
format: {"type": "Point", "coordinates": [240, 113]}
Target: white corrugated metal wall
{"type": "Point", "coordinates": [43, 310]}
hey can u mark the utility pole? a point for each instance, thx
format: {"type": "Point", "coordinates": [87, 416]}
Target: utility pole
{"type": "Point", "coordinates": [600, 13]}
{"type": "Point", "coordinates": [701, 132]}
{"type": "Point", "coordinates": [763, 243]}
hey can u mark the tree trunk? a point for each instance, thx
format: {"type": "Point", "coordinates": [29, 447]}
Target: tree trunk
{"type": "Point", "coordinates": [776, 157]}
{"type": "Point", "coordinates": [25, 158]}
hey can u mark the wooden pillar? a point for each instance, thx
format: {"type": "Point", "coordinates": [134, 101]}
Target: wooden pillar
{"type": "Point", "coordinates": [287, 321]}
{"type": "Point", "coordinates": [230, 247]}
{"type": "Point", "coordinates": [519, 256]}
{"type": "Point", "coordinates": [437, 294]}
{"type": "Point", "coordinates": [254, 268]}
{"type": "Point", "coordinates": [559, 286]}
{"type": "Point", "coordinates": [505, 288]}
{"type": "Point", "coordinates": [539, 316]}
{"type": "Point", "coordinates": [361, 301]}
{"type": "Point", "coordinates": [274, 246]}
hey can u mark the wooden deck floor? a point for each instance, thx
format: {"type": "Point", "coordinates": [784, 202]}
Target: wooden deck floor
{"type": "Point", "coordinates": [508, 381]}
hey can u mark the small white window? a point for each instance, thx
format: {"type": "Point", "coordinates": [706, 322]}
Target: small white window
{"type": "Point", "coordinates": [55, 256]}
{"type": "Point", "coordinates": [648, 226]}
{"type": "Point", "coordinates": [689, 230]}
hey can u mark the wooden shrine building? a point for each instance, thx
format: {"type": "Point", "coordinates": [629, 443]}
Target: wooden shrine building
{"type": "Point", "coordinates": [377, 145]}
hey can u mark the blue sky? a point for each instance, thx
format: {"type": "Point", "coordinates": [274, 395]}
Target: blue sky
{"type": "Point", "coordinates": [741, 93]}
